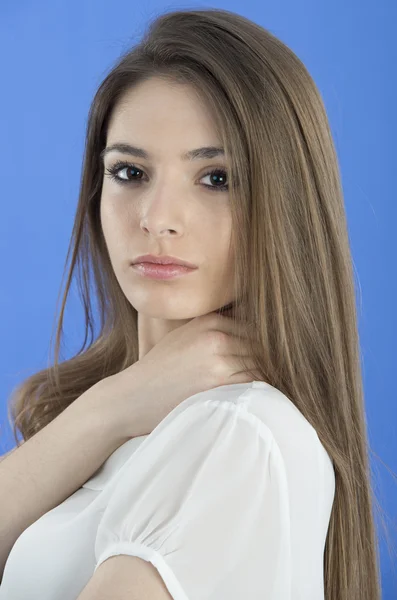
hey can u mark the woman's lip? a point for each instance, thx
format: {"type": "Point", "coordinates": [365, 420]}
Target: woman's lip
{"type": "Point", "coordinates": [157, 271]}
{"type": "Point", "coordinates": [163, 260]}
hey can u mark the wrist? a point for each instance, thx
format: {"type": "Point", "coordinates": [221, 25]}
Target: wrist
{"type": "Point", "coordinates": [99, 402]}
{"type": "Point", "coordinates": [116, 403]}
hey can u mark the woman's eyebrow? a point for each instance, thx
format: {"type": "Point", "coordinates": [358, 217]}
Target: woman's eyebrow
{"type": "Point", "coordinates": [206, 152]}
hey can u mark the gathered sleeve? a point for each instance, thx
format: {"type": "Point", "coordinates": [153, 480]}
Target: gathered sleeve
{"type": "Point", "coordinates": [206, 501]}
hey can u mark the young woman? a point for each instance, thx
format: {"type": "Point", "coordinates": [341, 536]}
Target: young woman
{"type": "Point", "coordinates": [211, 442]}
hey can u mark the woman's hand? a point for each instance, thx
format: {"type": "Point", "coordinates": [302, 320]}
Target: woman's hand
{"type": "Point", "coordinates": [197, 356]}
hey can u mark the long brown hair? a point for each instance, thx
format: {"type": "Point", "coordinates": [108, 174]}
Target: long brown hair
{"type": "Point", "coordinates": [294, 271]}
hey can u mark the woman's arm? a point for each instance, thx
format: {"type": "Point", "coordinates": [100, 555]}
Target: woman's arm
{"type": "Point", "coordinates": [124, 577]}
{"type": "Point", "coordinates": [13, 450]}
{"type": "Point", "coordinates": [54, 463]}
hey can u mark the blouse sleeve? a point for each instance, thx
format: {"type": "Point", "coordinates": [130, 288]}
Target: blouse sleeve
{"type": "Point", "coordinates": [206, 501]}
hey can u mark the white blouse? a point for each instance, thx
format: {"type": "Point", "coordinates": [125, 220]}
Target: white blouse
{"type": "Point", "coordinates": [229, 497]}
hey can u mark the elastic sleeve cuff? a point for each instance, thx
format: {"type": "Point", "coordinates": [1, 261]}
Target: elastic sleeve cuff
{"type": "Point", "coordinates": [140, 551]}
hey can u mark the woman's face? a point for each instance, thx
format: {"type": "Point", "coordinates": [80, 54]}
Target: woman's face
{"type": "Point", "coordinates": [164, 206]}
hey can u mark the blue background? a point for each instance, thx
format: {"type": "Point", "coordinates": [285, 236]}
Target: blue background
{"type": "Point", "coordinates": [53, 57]}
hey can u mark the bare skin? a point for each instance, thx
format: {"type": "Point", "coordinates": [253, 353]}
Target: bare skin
{"type": "Point", "coordinates": [165, 208]}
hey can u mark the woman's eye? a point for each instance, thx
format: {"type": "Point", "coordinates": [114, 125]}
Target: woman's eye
{"type": "Point", "coordinates": [217, 177]}
{"type": "Point", "coordinates": [122, 166]}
